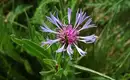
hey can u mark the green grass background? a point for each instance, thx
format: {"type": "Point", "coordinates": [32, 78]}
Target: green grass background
{"type": "Point", "coordinates": [22, 58]}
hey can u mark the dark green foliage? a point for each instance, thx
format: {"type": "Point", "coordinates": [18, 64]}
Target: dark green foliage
{"type": "Point", "coordinates": [23, 58]}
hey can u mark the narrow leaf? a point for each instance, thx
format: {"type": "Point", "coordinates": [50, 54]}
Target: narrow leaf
{"type": "Point", "coordinates": [92, 71]}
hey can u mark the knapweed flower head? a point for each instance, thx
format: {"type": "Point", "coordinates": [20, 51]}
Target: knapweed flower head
{"type": "Point", "coordinates": [68, 34]}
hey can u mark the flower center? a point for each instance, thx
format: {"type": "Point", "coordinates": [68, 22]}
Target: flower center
{"type": "Point", "coordinates": [68, 35]}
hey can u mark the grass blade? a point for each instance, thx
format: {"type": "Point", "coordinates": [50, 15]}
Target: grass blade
{"type": "Point", "coordinates": [92, 71]}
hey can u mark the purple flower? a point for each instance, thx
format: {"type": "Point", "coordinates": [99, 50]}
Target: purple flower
{"type": "Point", "coordinates": [68, 35]}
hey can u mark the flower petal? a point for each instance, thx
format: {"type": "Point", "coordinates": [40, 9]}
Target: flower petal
{"type": "Point", "coordinates": [61, 49]}
{"type": "Point", "coordinates": [69, 50]}
{"type": "Point", "coordinates": [80, 18]}
{"type": "Point", "coordinates": [56, 19]}
{"type": "Point", "coordinates": [46, 29]}
{"type": "Point", "coordinates": [53, 21]}
{"type": "Point", "coordinates": [69, 15]}
{"type": "Point", "coordinates": [89, 39]}
{"type": "Point", "coordinates": [81, 52]}
{"type": "Point", "coordinates": [87, 25]}
{"type": "Point", "coordinates": [77, 17]}
{"type": "Point", "coordinates": [50, 42]}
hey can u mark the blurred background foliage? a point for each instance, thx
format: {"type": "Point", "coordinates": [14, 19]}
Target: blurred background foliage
{"type": "Point", "coordinates": [22, 58]}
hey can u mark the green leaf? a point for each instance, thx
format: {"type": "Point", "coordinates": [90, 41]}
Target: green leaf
{"type": "Point", "coordinates": [47, 72]}
{"type": "Point", "coordinates": [28, 67]}
{"type": "Point", "coordinates": [92, 71]}
{"type": "Point", "coordinates": [59, 72]}
{"type": "Point", "coordinates": [35, 49]}
{"type": "Point", "coordinates": [16, 40]}
{"type": "Point", "coordinates": [50, 62]}
{"type": "Point", "coordinates": [32, 48]}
